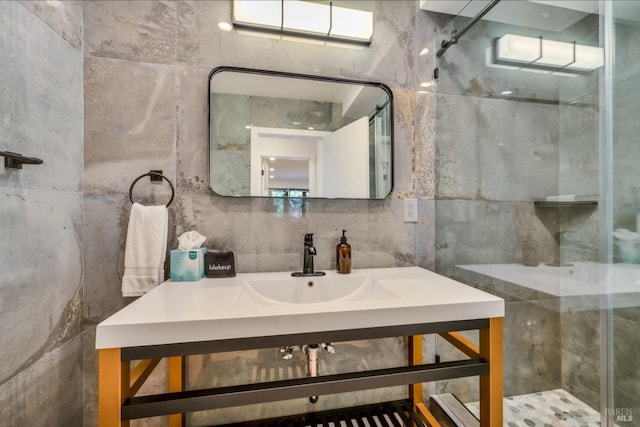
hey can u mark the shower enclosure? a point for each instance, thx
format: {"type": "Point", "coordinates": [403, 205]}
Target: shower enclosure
{"type": "Point", "coordinates": [538, 194]}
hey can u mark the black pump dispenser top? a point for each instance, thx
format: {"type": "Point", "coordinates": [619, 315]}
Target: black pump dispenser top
{"type": "Point", "coordinates": [343, 239]}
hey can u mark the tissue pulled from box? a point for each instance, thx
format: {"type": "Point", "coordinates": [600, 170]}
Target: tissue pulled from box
{"type": "Point", "coordinates": [190, 240]}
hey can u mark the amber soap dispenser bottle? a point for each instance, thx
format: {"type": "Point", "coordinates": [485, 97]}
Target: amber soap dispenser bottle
{"type": "Point", "coordinates": [343, 255]}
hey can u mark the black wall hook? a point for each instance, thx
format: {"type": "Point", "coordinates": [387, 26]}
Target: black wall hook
{"type": "Point", "coordinates": [16, 160]}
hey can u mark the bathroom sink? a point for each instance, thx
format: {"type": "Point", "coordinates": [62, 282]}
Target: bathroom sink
{"type": "Point", "coordinates": [318, 289]}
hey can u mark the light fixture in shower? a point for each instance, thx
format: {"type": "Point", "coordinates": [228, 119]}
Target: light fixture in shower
{"type": "Point", "coordinates": [537, 52]}
{"type": "Point", "coordinates": [305, 19]}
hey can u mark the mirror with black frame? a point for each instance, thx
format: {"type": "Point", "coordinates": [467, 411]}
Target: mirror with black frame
{"type": "Point", "coordinates": [274, 134]}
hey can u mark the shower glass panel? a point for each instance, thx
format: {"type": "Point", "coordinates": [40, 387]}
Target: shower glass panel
{"type": "Point", "coordinates": [623, 385]}
{"type": "Point", "coordinates": [536, 166]}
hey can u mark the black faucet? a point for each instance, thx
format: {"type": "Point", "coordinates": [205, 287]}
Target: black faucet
{"type": "Point", "coordinates": [307, 263]}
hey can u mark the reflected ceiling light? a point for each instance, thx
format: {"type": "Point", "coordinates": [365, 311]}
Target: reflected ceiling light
{"type": "Point", "coordinates": [426, 84]}
{"type": "Point", "coordinates": [536, 52]}
{"type": "Point", "coordinates": [506, 92]}
{"type": "Point", "coordinates": [304, 18]}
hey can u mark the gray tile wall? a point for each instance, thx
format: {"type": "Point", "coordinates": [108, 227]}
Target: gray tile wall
{"type": "Point", "coordinates": [145, 94]}
{"type": "Point", "coordinates": [41, 214]}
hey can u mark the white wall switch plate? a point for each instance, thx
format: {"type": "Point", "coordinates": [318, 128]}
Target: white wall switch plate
{"type": "Point", "coordinates": [410, 210]}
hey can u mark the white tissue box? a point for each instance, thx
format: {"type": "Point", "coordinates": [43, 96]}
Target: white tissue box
{"type": "Point", "coordinates": [187, 265]}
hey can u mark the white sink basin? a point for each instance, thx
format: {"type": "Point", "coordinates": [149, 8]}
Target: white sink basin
{"type": "Point", "coordinates": [318, 289]}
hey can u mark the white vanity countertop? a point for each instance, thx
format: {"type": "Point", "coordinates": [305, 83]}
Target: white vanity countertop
{"type": "Point", "coordinates": [212, 309]}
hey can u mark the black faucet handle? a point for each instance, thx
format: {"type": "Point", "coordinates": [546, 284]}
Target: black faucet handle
{"type": "Point", "coordinates": [308, 238]}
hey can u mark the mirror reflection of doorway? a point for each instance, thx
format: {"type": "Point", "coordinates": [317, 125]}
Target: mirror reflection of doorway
{"type": "Point", "coordinates": [285, 177]}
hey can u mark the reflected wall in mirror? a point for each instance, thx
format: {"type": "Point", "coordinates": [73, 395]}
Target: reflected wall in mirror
{"type": "Point", "coordinates": [275, 134]}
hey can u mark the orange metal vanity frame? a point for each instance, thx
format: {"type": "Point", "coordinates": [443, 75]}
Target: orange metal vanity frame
{"type": "Point", "coordinates": [118, 383]}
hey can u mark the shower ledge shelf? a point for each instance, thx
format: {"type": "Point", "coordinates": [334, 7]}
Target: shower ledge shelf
{"type": "Point", "coordinates": [565, 203]}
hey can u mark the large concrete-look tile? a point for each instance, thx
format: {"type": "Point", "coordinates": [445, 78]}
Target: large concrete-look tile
{"type": "Point", "coordinates": [64, 17]}
{"type": "Point", "coordinates": [130, 125]}
{"type": "Point", "coordinates": [142, 31]}
{"type": "Point", "coordinates": [481, 158]}
{"type": "Point", "coordinates": [41, 107]}
{"type": "Point", "coordinates": [267, 234]}
{"type": "Point", "coordinates": [478, 232]}
{"type": "Point", "coordinates": [47, 393]}
{"type": "Point", "coordinates": [41, 283]}
{"type": "Point", "coordinates": [580, 346]}
{"type": "Point", "coordinates": [192, 128]}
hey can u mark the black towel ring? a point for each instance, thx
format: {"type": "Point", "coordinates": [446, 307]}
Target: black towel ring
{"type": "Point", "coordinates": [155, 176]}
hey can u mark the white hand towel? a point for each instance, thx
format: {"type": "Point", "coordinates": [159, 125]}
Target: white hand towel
{"type": "Point", "coordinates": [145, 249]}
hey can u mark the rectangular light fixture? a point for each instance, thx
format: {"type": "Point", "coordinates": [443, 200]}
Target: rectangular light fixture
{"type": "Point", "coordinates": [536, 52]}
{"type": "Point", "coordinates": [306, 19]}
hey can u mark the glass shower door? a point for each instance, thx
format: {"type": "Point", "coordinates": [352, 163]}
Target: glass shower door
{"type": "Point", "coordinates": [623, 179]}
{"type": "Point", "coordinates": [535, 168]}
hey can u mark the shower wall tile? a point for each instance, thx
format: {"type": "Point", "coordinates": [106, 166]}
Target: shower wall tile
{"type": "Point", "coordinates": [626, 375]}
{"type": "Point", "coordinates": [579, 234]}
{"type": "Point", "coordinates": [42, 94]}
{"type": "Point", "coordinates": [464, 68]}
{"type": "Point", "coordinates": [627, 51]}
{"type": "Point", "coordinates": [64, 17]}
{"type": "Point", "coordinates": [579, 146]}
{"type": "Point", "coordinates": [626, 190]}
{"type": "Point", "coordinates": [580, 354]}
{"type": "Point", "coordinates": [467, 69]}
{"type": "Point", "coordinates": [41, 284]}
{"type": "Point", "coordinates": [41, 216]}
{"type": "Point", "coordinates": [479, 232]}
{"type": "Point", "coordinates": [143, 31]}
{"type": "Point", "coordinates": [480, 156]}
{"type": "Point", "coordinates": [130, 125]}
{"type": "Point", "coordinates": [48, 392]}
{"type": "Point", "coordinates": [532, 344]}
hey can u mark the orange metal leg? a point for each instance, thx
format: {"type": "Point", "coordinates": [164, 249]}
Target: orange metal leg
{"type": "Point", "coordinates": [491, 384]}
{"type": "Point", "coordinates": [176, 381]}
{"type": "Point", "coordinates": [415, 358]}
{"type": "Point", "coordinates": [113, 387]}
